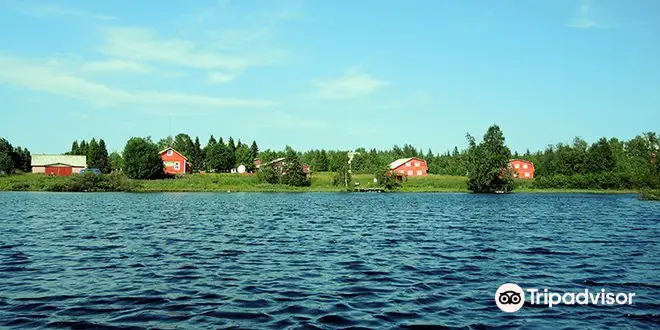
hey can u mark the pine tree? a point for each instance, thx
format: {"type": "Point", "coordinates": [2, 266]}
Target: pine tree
{"type": "Point", "coordinates": [255, 150]}
{"type": "Point", "coordinates": [93, 154]}
{"type": "Point", "coordinates": [82, 148]}
{"type": "Point", "coordinates": [104, 162]}
{"type": "Point", "coordinates": [197, 156]}
{"type": "Point", "coordinates": [74, 148]}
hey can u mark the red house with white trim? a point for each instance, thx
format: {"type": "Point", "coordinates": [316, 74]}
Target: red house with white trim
{"type": "Point", "coordinates": [522, 169]}
{"type": "Point", "coordinates": [175, 162]}
{"type": "Point", "coordinates": [411, 166]}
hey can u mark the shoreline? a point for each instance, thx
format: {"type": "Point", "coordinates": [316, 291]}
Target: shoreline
{"type": "Point", "coordinates": [224, 182]}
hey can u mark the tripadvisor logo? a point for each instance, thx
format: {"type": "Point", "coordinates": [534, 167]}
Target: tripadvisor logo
{"type": "Point", "coordinates": [510, 297]}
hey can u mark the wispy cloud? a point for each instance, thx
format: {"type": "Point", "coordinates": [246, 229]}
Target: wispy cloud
{"type": "Point", "coordinates": [42, 11]}
{"type": "Point", "coordinates": [351, 84]}
{"type": "Point", "coordinates": [583, 18]}
{"type": "Point", "coordinates": [143, 44]}
{"type": "Point", "coordinates": [220, 77]}
{"type": "Point", "coordinates": [47, 78]}
{"type": "Point", "coordinates": [583, 23]}
{"type": "Point", "coordinates": [114, 66]}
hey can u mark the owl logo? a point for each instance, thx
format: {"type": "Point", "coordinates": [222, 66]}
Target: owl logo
{"type": "Point", "coordinates": [509, 297]}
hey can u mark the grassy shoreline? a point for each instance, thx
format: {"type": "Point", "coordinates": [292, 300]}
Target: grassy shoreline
{"type": "Point", "coordinates": [321, 182]}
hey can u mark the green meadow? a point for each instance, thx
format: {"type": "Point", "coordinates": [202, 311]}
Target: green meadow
{"type": "Point", "coordinates": [214, 182]}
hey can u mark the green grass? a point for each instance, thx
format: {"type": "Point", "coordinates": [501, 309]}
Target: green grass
{"type": "Point", "coordinates": [322, 181]}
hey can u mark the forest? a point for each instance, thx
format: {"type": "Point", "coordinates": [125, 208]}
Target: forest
{"type": "Point", "coordinates": [608, 163]}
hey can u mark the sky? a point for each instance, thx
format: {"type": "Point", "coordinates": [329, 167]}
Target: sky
{"type": "Point", "coordinates": [328, 74]}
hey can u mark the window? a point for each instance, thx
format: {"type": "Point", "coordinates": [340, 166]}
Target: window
{"type": "Point", "coordinates": [177, 166]}
{"type": "Point", "coordinates": [416, 164]}
{"type": "Point", "coordinates": [525, 166]}
{"type": "Point", "coordinates": [408, 164]}
{"type": "Point", "coordinates": [527, 174]}
{"type": "Point", "coordinates": [419, 172]}
{"type": "Point", "coordinates": [169, 152]}
{"type": "Point", "coordinates": [401, 171]}
{"type": "Point", "coordinates": [516, 165]}
{"type": "Point", "coordinates": [410, 172]}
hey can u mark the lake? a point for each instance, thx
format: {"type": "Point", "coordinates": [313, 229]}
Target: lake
{"type": "Point", "coordinates": [322, 260]}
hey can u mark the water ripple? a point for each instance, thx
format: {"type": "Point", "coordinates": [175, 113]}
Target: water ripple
{"type": "Point", "coordinates": [321, 261]}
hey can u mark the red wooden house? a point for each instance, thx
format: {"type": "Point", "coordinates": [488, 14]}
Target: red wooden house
{"type": "Point", "coordinates": [411, 166]}
{"type": "Point", "coordinates": [522, 169]}
{"type": "Point", "coordinates": [175, 162]}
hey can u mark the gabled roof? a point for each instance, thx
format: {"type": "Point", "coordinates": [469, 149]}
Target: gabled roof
{"type": "Point", "coordinates": [71, 160]}
{"type": "Point", "coordinates": [170, 148]}
{"type": "Point", "coordinates": [402, 161]}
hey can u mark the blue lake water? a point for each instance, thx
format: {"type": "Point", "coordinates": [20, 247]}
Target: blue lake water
{"type": "Point", "coordinates": [317, 260]}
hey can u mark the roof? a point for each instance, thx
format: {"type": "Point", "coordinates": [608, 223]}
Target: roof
{"type": "Point", "coordinates": [277, 160]}
{"type": "Point", "coordinates": [520, 160]}
{"type": "Point", "coordinates": [402, 161]}
{"type": "Point", "coordinates": [71, 160]}
{"type": "Point", "coordinates": [168, 148]}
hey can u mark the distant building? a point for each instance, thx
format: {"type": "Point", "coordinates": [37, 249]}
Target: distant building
{"type": "Point", "coordinates": [411, 166]}
{"type": "Point", "coordinates": [175, 162]}
{"type": "Point", "coordinates": [279, 163]}
{"type": "Point", "coordinates": [522, 169]}
{"type": "Point", "coordinates": [58, 165]}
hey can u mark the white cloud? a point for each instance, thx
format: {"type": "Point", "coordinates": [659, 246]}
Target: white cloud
{"type": "Point", "coordinates": [583, 23]}
{"type": "Point", "coordinates": [114, 66]}
{"type": "Point", "coordinates": [41, 11]}
{"type": "Point", "coordinates": [350, 85]}
{"type": "Point", "coordinates": [220, 77]}
{"type": "Point", "coordinates": [141, 44]}
{"type": "Point", "coordinates": [47, 78]}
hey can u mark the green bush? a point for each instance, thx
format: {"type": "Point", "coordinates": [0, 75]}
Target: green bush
{"type": "Point", "coordinates": [267, 174]}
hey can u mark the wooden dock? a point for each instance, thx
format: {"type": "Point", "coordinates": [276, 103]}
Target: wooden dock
{"type": "Point", "coordinates": [363, 189]}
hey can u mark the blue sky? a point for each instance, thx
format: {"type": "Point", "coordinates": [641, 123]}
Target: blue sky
{"type": "Point", "coordinates": [328, 74]}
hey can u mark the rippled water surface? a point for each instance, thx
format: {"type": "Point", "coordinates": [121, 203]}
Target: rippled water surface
{"type": "Point", "coordinates": [287, 261]}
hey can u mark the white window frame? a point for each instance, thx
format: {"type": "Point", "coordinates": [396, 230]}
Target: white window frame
{"type": "Point", "coordinates": [408, 164]}
{"type": "Point", "coordinates": [169, 152]}
{"type": "Point", "coordinates": [525, 166]}
{"type": "Point", "coordinates": [177, 166]}
{"type": "Point", "coordinates": [419, 172]}
{"type": "Point", "coordinates": [516, 165]}
{"type": "Point", "coordinates": [410, 172]}
{"type": "Point", "coordinates": [416, 164]}
{"type": "Point", "coordinates": [527, 175]}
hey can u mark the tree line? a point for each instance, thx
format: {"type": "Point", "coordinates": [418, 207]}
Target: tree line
{"type": "Point", "coordinates": [607, 163]}
{"type": "Point", "coordinates": [12, 159]}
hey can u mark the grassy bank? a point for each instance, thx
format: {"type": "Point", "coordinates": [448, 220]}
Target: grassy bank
{"type": "Point", "coordinates": [651, 195]}
{"type": "Point", "coordinates": [321, 182]}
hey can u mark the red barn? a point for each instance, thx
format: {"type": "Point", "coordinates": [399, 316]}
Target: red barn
{"type": "Point", "coordinates": [412, 166]}
{"type": "Point", "coordinates": [58, 165]}
{"type": "Point", "coordinates": [522, 169]}
{"type": "Point", "coordinates": [175, 162]}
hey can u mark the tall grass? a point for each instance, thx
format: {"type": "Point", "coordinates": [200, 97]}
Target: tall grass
{"type": "Point", "coordinates": [321, 181]}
